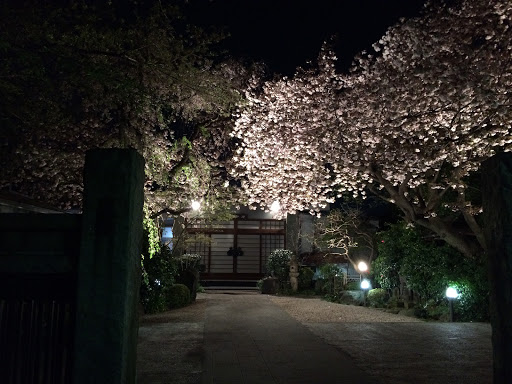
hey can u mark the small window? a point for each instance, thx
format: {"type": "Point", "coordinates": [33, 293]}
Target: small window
{"type": "Point", "coordinates": [167, 235]}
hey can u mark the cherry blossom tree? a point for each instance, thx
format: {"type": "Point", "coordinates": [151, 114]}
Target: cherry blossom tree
{"type": "Point", "coordinates": [411, 122]}
{"type": "Point", "coordinates": [82, 75]}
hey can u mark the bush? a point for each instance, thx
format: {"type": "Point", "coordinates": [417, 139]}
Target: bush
{"type": "Point", "coordinates": [472, 302]}
{"type": "Point", "coordinates": [305, 278]}
{"type": "Point", "coordinates": [154, 302]}
{"type": "Point", "coordinates": [188, 272]}
{"type": "Point", "coordinates": [158, 273]}
{"type": "Point", "coordinates": [278, 264]}
{"type": "Point", "coordinates": [332, 277]}
{"type": "Point", "coordinates": [353, 286]}
{"type": "Point", "coordinates": [177, 296]}
{"type": "Point", "coordinates": [377, 297]}
{"type": "Point", "coordinates": [259, 285]}
{"type": "Point", "coordinates": [429, 267]}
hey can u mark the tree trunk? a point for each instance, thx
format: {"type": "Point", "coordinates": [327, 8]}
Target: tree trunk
{"type": "Point", "coordinates": [497, 205]}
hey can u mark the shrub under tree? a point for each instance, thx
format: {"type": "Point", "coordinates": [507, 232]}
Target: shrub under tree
{"type": "Point", "coordinates": [429, 268]}
{"type": "Point", "coordinates": [278, 265]}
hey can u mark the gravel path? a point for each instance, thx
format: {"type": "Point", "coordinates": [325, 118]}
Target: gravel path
{"type": "Point", "coordinates": [315, 310]}
{"type": "Point", "coordinates": [396, 349]}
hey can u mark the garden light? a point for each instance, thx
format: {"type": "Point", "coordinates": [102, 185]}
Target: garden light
{"type": "Point", "coordinates": [451, 294]}
{"type": "Point", "coordinates": [196, 205]}
{"type": "Point", "coordinates": [365, 285]}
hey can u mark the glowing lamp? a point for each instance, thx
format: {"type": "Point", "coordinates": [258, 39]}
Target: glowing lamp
{"type": "Point", "coordinates": [365, 284]}
{"type": "Point", "coordinates": [451, 293]}
{"type": "Point", "coordinates": [275, 207]}
{"type": "Point", "coordinates": [196, 205]}
{"type": "Point", "coordinates": [362, 266]}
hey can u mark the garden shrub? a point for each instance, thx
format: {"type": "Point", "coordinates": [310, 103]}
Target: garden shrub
{"type": "Point", "coordinates": [278, 265]}
{"type": "Point", "coordinates": [177, 296]}
{"type": "Point", "coordinates": [377, 297]}
{"type": "Point", "coordinates": [395, 302]}
{"type": "Point", "coordinates": [429, 267]}
{"type": "Point", "coordinates": [433, 310]}
{"type": "Point", "coordinates": [158, 274]}
{"type": "Point", "coordinates": [305, 278]}
{"type": "Point", "coordinates": [353, 286]}
{"type": "Point", "coordinates": [320, 286]}
{"type": "Point", "coordinates": [155, 302]}
{"type": "Point", "coordinates": [332, 276]}
{"type": "Point", "coordinates": [200, 289]}
{"type": "Point", "coordinates": [188, 272]}
{"type": "Point", "coordinates": [472, 304]}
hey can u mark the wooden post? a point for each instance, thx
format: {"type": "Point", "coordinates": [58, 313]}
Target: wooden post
{"type": "Point", "coordinates": [109, 269]}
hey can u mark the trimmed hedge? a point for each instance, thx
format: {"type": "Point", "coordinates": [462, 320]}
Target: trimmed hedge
{"type": "Point", "coordinates": [178, 296]}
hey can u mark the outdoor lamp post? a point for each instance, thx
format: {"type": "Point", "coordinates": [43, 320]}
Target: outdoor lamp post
{"type": "Point", "coordinates": [365, 286]}
{"type": "Point", "coordinates": [451, 294]}
{"type": "Point", "coordinates": [362, 267]}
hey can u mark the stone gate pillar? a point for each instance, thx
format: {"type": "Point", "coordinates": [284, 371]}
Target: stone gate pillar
{"type": "Point", "coordinates": [497, 205]}
{"type": "Point", "coordinates": [109, 268]}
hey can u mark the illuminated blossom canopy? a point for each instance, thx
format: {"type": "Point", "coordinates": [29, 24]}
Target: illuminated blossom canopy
{"type": "Point", "coordinates": [411, 122]}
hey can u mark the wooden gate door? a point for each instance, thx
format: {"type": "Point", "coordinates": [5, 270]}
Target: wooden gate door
{"type": "Point", "coordinates": [255, 238]}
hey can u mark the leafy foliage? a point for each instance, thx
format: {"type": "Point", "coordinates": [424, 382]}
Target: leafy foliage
{"type": "Point", "coordinates": [386, 267]}
{"type": "Point", "coordinates": [189, 261]}
{"type": "Point", "coordinates": [151, 234]}
{"type": "Point", "coordinates": [332, 281]}
{"type": "Point", "coordinates": [278, 264]}
{"type": "Point", "coordinates": [177, 296]}
{"type": "Point", "coordinates": [305, 278]}
{"type": "Point", "coordinates": [377, 297]}
{"type": "Point", "coordinates": [429, 268]}
{"type": "Point", "coordinates": [188, 272]}
{"type": "Point", "coordinates": [353, 286]}
{"type": "Point", "coordinates": [158, 275]}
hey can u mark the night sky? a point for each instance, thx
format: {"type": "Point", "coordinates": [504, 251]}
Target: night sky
{"type": "Point", "coordinates": [287, 34]}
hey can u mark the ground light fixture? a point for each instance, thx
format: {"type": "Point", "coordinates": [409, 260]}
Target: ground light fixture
{"type": "Point", "coordinates": [365, 286]}
{"type": "Point", "coordinates": [196, 205]}
{"type": "Point", "coordinates": [451, 294]}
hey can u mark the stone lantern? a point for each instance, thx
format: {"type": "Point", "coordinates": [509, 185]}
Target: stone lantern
{"type": "Point", "coordinates": [294, 274]}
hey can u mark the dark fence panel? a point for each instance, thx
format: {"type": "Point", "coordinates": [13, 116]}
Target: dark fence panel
{"type": "Point", "coordinates": [38, 260]}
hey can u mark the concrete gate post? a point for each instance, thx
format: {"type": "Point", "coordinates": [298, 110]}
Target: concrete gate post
{"type": "Point", "coordinates": [497, 206]}
{"type": "Point", "coordinates": [109, 268]}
